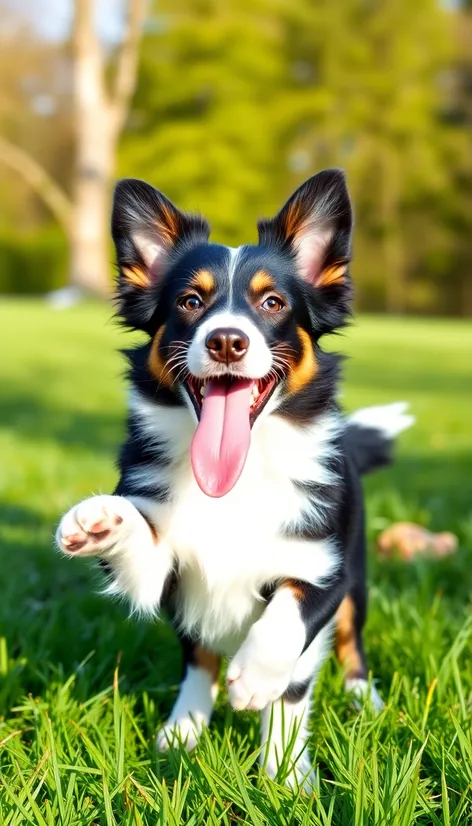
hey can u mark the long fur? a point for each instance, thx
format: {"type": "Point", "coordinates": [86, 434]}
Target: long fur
{"type": "Point", "coordinates": [267, 573]}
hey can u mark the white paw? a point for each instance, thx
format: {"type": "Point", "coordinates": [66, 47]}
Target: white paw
{"type": "Point", "coordinates": [253, 683]}
{"type": "Point", "coordinates": [364, 691]}
{"type": "Point", "coordinates": [174, 733]}
{"type": "Point", "coordinates": [96, 525]}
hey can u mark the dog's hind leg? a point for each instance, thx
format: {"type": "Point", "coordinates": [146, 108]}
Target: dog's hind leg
{"type": "Point", "coordinates": [349, 647]}
{"type": "Point", "coordinates": [197, 695]}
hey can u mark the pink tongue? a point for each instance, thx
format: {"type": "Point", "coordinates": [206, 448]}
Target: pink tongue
{"type": "Point", "coordinates": [222, 439]}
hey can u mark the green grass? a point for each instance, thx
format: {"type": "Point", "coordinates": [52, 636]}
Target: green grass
{"type": "Point", "coordinates": [83, 688]}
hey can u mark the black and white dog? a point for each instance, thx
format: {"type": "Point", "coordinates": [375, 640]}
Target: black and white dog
{"type": "Point", "coordinates": [239, 508]}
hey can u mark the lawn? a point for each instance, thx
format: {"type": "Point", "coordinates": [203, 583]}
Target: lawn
{"type": "Point", "coordinates": [83, 688]}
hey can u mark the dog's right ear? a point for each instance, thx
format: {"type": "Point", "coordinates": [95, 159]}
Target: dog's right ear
{"type": "Point", "coordinates": [147, 229]}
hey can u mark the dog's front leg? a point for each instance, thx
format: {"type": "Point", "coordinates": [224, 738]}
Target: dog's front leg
{"type": "Point", "coordinates": [276, 666]}
{"type": "Point", "coordinates": [263, 667]}
{"type": "Point", "coordinates": [137, 559]}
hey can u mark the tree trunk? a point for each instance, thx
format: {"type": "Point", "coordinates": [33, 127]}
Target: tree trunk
{"type": "Point", "coordinates": [89, 241]}
{"type": "Point", "coordinates": [98, 121]}
{"type": "Point", "coordinates": [94, 158]}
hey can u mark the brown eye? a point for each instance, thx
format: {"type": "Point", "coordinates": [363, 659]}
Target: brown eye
{"type": "Point", "coordinates": [272, 304]}
{"type": "Point", "coordinates": [190, 303]}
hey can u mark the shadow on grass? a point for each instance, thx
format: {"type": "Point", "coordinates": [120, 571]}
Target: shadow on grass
{"type": "Point", "coordinates": [53, 619]}
{"type": "Point", "coordinates": [32, 417]}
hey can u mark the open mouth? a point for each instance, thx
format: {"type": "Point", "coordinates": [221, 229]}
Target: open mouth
{"type": "Point", "coordinates": [260, 392]}
{"type": "Point", "coordinates": [226, 409]}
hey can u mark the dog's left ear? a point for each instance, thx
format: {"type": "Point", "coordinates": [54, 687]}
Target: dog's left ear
{"type": "Point", "coordinates": [315, 225]}
{"type": "Point", "coordinates": [148, 232]}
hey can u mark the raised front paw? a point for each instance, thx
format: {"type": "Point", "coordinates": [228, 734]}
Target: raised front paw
{"type": "Point", "coordinates": [253, 682]}
{"type": "Point", "coordinates": [95, 526]}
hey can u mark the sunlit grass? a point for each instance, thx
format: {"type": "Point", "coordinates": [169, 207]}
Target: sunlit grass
{"type": "Point", "coordinates": [76, 735]}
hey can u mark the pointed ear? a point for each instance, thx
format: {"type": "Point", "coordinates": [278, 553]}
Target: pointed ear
{"type": "Point", "coordinates": [147, 229]}
{"type": "Point", "coordinates": [315, 225]}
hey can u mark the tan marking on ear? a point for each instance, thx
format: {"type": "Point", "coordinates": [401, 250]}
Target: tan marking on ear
{"type": "Point", "coordinates": [261, 282]}
{"type": "Point", "coordinates": [208, 660]}
{"type": "Point", "coordinates": [305, 371]}
{"type": "Point", "coordinates": [137, 276]}
{"type": "Point", "coordinates": [156, 364]}
{"type": "Point", "coordinates": [332, 275]}
{"type": "Point", "coordinates": [168, 225]}
{"type": "Point", "coordinates": [203, 280]}
{"type": "Point", "coordinates": [346, 646]}
{"type": "Point", "coordinates": [292, 220]}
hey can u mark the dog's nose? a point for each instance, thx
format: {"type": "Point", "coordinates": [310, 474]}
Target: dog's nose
{"type": "Point", "coordinates": [227, 345]}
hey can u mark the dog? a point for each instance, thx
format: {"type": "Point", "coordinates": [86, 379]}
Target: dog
{"type": "Point", "coordinates": [239, 508]}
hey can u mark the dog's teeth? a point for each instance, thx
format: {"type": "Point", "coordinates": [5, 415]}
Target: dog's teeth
{"type": "Point", "coordinates": [202, 389]}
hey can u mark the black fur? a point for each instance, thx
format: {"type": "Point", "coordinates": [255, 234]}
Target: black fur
{"type": "Point", "coordinates": [311, 304]}
{"type": "Point", "coordinates": [368, 448]}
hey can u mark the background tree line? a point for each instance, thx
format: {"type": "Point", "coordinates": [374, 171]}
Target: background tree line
{"type": "Point", "coordinates": [228, 106]}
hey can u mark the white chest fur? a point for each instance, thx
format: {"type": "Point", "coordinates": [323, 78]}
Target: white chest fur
{"type": "Point", "coordinates": [228, 548]}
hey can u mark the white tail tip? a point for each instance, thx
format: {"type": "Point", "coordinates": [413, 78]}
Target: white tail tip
{"type": "Point", "coordinates": [390, 419]}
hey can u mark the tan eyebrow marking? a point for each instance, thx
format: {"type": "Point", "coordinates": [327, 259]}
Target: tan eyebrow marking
{"type": "Point", "coordinates": [261, 282]}
{"type": "Point", "coordinates": [203, 280]}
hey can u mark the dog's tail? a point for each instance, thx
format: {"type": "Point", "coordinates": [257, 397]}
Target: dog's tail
{"type": "Point", "coordinates": [370, 434]}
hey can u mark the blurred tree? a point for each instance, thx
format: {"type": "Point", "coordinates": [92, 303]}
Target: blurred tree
{"type": "Point", "coordinates": [238, 102]}
{"type": "Point", "coordinates": [202, 127]}
{"type": "Point", "coordinates": [460, 113]}
{"type": "Point", "coordinates": [35, 115]}
{"type": "Point", "coordinates": [100, 107]}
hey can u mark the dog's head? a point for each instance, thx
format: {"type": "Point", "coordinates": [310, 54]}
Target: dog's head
{"type": "Point", "coordinates": [234, 332]}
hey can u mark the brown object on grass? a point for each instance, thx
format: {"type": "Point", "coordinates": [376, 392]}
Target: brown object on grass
{"type": "Point", "coordinates": [407, 540]}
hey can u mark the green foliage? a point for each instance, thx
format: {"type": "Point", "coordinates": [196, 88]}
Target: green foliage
{"type": "Point", "coordinates": [204, 119]}
{"type": "Point", "coordinates": [76, 735]}
{"type": "Point", "coordinates": [238, 103]}
{"type": "Point", "coordinates": [32, 264]}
